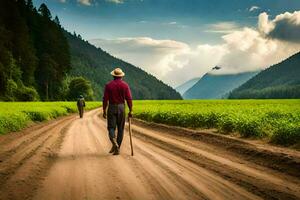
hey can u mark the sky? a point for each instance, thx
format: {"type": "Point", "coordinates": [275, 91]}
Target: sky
{"type": "Point", "coordinates": [177, 40]}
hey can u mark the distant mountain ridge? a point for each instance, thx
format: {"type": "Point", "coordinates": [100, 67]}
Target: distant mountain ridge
{"type": "Point", "coordinates": [95, 65]}
{"type": "Point", "coordinates": [216, 86]}
{"type": "Point", "coordinates": [186, 85]}
{"type": "Point", "coordinates": [279, 81]}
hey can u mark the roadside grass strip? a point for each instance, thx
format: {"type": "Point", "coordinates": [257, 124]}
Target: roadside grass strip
{"type": "Point", "coordinates": [275, 120]}
{"type": "Point", "coordinates": [15, 116]}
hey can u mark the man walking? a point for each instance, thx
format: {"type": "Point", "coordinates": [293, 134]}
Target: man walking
{"type": "Point", "coordinates": [80, 105]}
{"type": "Point", "coordinates": [115, 94]}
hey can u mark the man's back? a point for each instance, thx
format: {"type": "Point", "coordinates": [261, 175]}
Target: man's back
{"type": "Point", "coordinates": [81, 102]}
{"type": "Point", "coordinates": [116, 92]}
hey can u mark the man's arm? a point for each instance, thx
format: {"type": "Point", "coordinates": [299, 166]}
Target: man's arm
{"type": "Point", "coordinates": [105, 101]}
{"type": "Point", "coordinates": [128, 98]}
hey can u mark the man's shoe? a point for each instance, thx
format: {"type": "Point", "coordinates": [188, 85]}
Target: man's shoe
{"type": "Point", "coordinates": [112, 149]}
{"type": "Point", "coordinates": [116, 152]}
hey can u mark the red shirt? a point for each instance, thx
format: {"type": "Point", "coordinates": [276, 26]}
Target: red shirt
{"type": "Point", "coordinates": [116, 92]}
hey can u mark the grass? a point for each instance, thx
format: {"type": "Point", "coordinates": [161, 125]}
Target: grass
{"type": "Point", "coordinates": [276, 120]}
{"type": "Point", "coordinates": [16, 115]}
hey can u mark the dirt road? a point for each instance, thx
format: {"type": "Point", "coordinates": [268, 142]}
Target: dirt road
{"type": "Point", "coordinates": [68, 159]}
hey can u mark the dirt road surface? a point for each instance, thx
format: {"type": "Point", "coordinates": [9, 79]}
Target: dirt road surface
{"type": "Point", "coordinates": [68, 159]}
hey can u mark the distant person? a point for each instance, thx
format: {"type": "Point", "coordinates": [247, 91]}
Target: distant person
{"type": "Point", "coordinates": [81, 105]}
{"type": "Point", "coordinates": [115, 94]}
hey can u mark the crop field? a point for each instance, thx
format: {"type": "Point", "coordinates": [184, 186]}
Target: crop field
{"type": "Point", "coordinates": [276, 120]}
{"type": "Point", "coordinates": [16, 115]}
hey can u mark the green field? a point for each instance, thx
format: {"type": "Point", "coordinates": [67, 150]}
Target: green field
{"type": "Point", "coordinates": [276, 120]}
{"type": "Point", "coordinates": [16, 115]}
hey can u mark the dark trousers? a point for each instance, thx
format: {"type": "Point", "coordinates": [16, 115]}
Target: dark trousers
{"type": "Point", "coordinates": [116, 119]}
{"type": "Point", "coordinates": [80, 110]}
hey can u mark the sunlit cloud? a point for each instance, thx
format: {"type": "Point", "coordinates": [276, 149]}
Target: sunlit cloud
{"type": "Point", "coordinates": [85, 2]}
{"type": "Point", "coordinates": [285, 26]}
{"type": "Point", "coordinates": [253, 8]}
{"type": "Point", "coordinates": [116, 1]}
{"type": "Point", "coordinates": [242, 49]}
{"type": "Point", "coordinates": [174, 24]}
{"type": "Point", "coordinates": [155, 56]}
{"type": "Point", "coordinates": [222, 27]}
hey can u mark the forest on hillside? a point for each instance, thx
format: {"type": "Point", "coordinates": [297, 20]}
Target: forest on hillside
{"type": "Point", "coordinates": [34, 54]}
{"type": "Point", "coordinates": [95, 65]}
{"type": "Point", "coordinates": [39, 60]}
{"type": "Point", "coordinates": [280, 81]}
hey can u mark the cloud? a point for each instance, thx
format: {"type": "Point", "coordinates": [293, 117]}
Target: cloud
{"type": "Point", "coordinates": [174, 24]}
{"type": "Point", "coordinates": [283, 27]}
{"type": "Point", "coordinates": [155, 56]}
{"type": "Point", "coordinates": [222, 27]}
{"type": "Point", "coordinates": [62, 1]}
{"type": "Point", "coordinates": [242, 50]}
{"type": "Point", "coordinates": [253, 8]}
{"type": "Point", "coordinates": [116, 1]}
{"type": "Point", "coordinates": [247, 50]}
{"type": "Point", "coordinates": [172, 61]}
{"type": "Point", "coordinates": [85, 2]}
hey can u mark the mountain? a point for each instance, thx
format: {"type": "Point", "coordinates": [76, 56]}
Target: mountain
{"type": "Point", "coordinates": [215, 86]}
{"type": "Point", "coordinates": [187, 85]}
{"type": "Point", "coordinates": [279, 81]}
{"type": "Point", "coordinates": [95, 65]}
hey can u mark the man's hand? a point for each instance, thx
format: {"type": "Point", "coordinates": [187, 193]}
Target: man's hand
{"type": "Point", "coordinates": [104, 115]}
{"type": "Point", "coordinates": [130, 114]}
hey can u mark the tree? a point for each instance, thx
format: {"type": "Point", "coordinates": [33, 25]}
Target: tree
{"type": "Point", "coordinates": [80, 86]}
{"type": "Point", "coordinates": [56, 21]}
{"type": "Point", "coordinates": [29, 4]}
{"type": "Point", "coordinates": [44, 11]}
{"type": "Point", "coordinates": [34, 53]}
{"type": "Point", "coordinates": [46, 76]}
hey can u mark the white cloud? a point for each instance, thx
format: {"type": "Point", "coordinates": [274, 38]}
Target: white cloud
{"type": "Point", "coordinates": [249, 51]}
{"type": "Point", "coordinates": [155, 56]}
{"type": "Point", "coordinates": [85, 2]}
{"type": "Point", "coordinates": [116, 1]}
{"type": "Point", "coordinates": [174, 24]}
{"type": "Point", "coordinates": [243, 49]}
{"type": "Point", "coordinates": [62, 1]}
{"type": "Point", "coordinates": [172, 61]}
{"type": "Point", "coordinates": [284, 27]}
{"type": "Point", "coordinates": [222, 27]}
{"type": "Point", "coordinates": [253, 8]}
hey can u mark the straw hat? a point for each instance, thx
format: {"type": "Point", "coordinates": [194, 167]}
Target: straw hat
{"type": "Point", "coordinates": [117, 72]}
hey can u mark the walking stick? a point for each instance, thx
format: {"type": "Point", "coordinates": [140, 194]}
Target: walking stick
{"type": "Point", "coordinates": [130, 135]}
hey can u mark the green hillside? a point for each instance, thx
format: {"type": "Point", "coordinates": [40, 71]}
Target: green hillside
{"type": "Point", "coordinates": [34, 54]}
{"type": "Point", "coordinates": [215, 86]}
{"type": "Point", "coordinates": [95, 64]}
{"type": "Point", "coordinates": [279, 81]}
{"type": "Point", "coordinates": [39, 60]}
